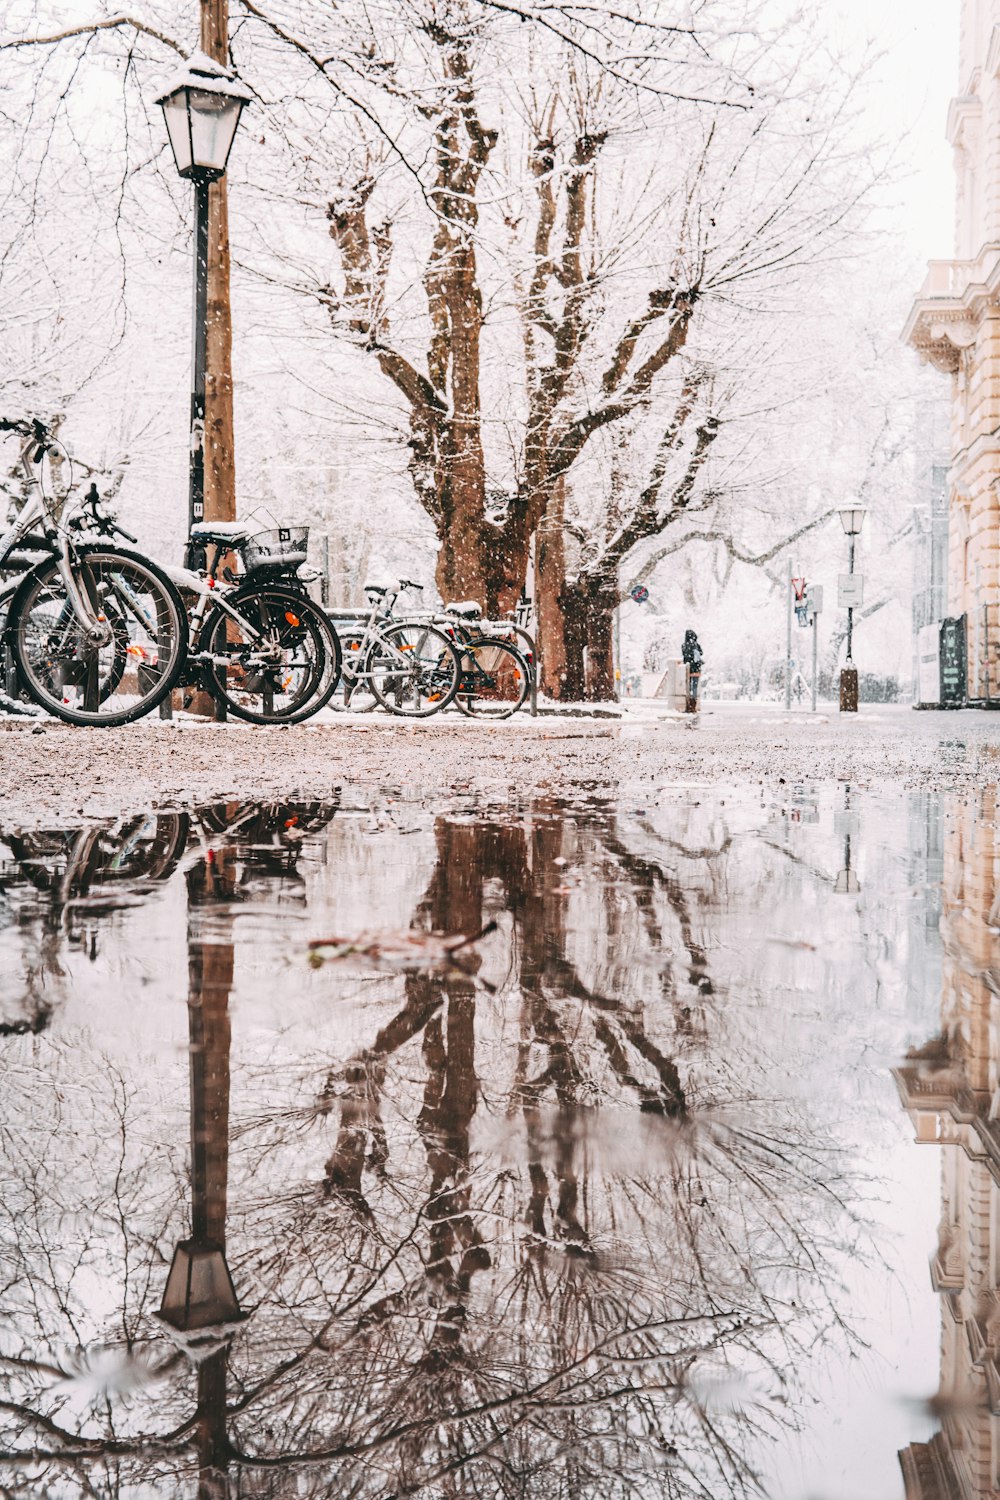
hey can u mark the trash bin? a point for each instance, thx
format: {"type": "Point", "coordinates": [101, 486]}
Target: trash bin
{"type": "Point", "coordinates": [668, 686]}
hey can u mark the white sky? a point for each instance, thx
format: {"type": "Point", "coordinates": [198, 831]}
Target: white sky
{"type": "Point", "coordinates": [919, 69]}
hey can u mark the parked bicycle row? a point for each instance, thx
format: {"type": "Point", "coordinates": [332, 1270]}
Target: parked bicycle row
{"type": "Point", "coordinates": [100, 634]}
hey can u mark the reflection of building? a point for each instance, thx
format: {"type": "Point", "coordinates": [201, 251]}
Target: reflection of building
{"type": "Point", "coordinates": [954, 323]}
{"type": "Point", "coordinates": [925, 872]}
{"type": "Point", "coordinates": [951, 1089]}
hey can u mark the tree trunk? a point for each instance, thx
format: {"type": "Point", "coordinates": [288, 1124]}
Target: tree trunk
{"type": "Point", "coordinates": [559, 649]}
{"type": "Point", "coordinates": [600, 683]}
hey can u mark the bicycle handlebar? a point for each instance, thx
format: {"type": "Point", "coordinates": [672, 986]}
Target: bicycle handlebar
{"type": "Point", "coordinates": [31, 427]}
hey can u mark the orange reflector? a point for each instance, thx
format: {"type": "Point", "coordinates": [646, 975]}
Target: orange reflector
{"type": "Point", "coordinates": [292, 619]}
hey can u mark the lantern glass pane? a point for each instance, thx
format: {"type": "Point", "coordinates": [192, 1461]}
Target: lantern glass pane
{"type": "Point", "coordinates": [175, 1296]}
{"type": "Point", "coordinates": [212, 1297]}
{"type": "Point", "coordinates": [199, 1291]}
{"type": "Point", "coordinates": [214, 118]}
{"type": "Point", "coordinates": [175, 114]}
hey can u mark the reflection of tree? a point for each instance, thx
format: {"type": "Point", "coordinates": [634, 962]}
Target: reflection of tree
{"type": "Point", "coordinates": [533, 1219]}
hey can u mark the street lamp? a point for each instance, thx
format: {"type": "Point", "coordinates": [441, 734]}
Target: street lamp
{"type": "Point", "coordinates": [852, 517]}
{"type": "Point", "coordinates": [199, 1292]}
{"type": "Point", "coordinates": [201, 108]}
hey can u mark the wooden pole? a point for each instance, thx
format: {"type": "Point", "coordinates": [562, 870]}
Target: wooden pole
{"type": "Point", "coordinates": [220, 457]}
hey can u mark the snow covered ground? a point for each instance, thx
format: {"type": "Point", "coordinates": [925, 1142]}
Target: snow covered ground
{"type": "Point", "coordinates": [51, 770]}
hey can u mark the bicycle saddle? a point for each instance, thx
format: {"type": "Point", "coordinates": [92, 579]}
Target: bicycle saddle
{"type": "Point", "coordinates": [220, 531]}
{"type": "Point", "coordinates": [376, 588]}
{"type": "Point", "coordinates": [466, 609]}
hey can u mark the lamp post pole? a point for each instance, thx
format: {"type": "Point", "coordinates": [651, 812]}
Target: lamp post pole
{"type": "Point", "coordinates": [851, 518]}
{"type": "Point", "coordinates": [788, 638]}
{"type": "Point", "coordinates": [850, 607]}
{"type": "Point", "coordinates": [196, 483]}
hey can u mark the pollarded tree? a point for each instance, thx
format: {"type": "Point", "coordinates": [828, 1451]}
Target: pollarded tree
{"type": "Point", "coordinates": [536, 250]}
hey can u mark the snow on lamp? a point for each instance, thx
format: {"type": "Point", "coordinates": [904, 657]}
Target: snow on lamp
{"type": "Point", "coordinates": [201, 108]}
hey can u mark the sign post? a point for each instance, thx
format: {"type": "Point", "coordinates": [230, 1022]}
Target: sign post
{"type": "Point", "coordinates": [814, 600]}
{"type": "Point", "coordinates": [789, 591]}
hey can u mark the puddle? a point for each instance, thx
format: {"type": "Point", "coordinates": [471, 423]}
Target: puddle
{"type": "Point", "coordinates": [554, 1149]}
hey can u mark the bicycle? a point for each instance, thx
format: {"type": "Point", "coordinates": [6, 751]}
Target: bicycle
{"type": "Point", "coordinates": [97, 633]}
{"type": "Point", "coordinates": [263, 648]}
{"type": "Point", "coordinates": [410, 665]}
{"type": "Point", "coordinates": [496, 674]}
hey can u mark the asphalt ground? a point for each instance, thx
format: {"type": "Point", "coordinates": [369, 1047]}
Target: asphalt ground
{"type": "Point", "coordinates": [52, 774]}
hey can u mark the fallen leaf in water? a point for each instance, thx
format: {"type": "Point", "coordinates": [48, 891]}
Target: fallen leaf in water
{"type": "Point", "coordinates": [412, 949]}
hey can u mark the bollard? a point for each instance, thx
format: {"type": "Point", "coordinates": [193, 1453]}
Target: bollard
{"type": "Point", "coordinates": [849, 690]}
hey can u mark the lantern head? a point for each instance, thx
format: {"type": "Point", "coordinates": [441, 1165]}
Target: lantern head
{"type": "Point", "coordinates": [201, 107]}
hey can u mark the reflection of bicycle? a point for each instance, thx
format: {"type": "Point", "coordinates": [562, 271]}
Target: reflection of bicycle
{"type": "Point", "coordinates": [263, 648]}
{"type": "Point", "coordinates": [96, 633]}
{"type": "Point", "coordinates": [73, 864]}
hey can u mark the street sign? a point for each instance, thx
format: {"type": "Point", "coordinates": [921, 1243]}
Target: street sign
{"type": "Point", "coordinates": [640, 593]}
{"type": "Point", "coordinates": [850, 590]}
{"type": "Point", "coordinates": [814, 598]}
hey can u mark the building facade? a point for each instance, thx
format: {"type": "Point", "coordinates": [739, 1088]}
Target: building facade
{"type": "Point", "coordinates": [954, 324]}
{"type": "Point", "coordinates": [929, 519]}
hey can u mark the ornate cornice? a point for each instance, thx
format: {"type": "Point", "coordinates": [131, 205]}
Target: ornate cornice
{"type": "Point", "coordinates": [962, 111]}
{"type": "Point", "coordinates": [956, 297]}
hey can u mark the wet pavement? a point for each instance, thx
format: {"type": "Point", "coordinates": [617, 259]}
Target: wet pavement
{"type": "Point", "coordinates": [557, 1146]}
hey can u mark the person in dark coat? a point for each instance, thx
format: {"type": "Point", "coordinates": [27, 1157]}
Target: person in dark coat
{"type": "Point", "coordinates": [693, 657]}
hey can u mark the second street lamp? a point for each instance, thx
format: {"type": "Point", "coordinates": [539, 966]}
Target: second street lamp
{"type": "Point", "coordinates": [201, 108]}
{"type": "Point", "coordinates": [852, 519]}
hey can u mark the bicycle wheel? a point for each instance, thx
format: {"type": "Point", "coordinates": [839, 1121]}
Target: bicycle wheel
{"type": "Point", "coordinates": [495, 679]}
{"type": "Point", "coordinates": [412, 669]}
{"type": "Point", "coordinates": [278, 663]}
{"type": "Point", "coordinates": [129, 667]}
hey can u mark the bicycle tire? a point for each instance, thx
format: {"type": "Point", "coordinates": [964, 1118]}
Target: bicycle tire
{"type": "Point", "coordinates": [124, 585]}
{"type": "Point", "coordinates": [414, 678]}
{"type": "Point", "coordinates": [292, 619]}
{"type": "Point", "coordinates": [507, 676]}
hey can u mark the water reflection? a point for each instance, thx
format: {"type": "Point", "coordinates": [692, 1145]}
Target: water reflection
{"type": "Point", "coordinates": [951, 1089]}
{"type": "Point", "coordinates": [540, 1218]}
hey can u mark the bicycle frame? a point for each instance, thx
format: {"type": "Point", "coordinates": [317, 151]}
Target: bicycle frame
{"type": "Point", "coordinates": [381, 611]}
{"type": "Point", "coordinates": [211, 594]}
{"type": "Point", "coordinates": [35, 511]}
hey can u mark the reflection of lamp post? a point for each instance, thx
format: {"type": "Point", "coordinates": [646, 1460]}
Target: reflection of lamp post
{"type": "Point", "coordinates": [847, 883]}
{"type": "Point", "coordinates": [852, 519]}
{"type": "Point", "coordinates": [200, 1311]}
{"type": "Point", "coordinates": [201, 108]}
{"type": "Point", "coordinates": [200, 1292]}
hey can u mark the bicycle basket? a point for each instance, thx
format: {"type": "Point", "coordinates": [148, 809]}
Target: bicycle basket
{"type": "Point", "coordinates": [277, 551]}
